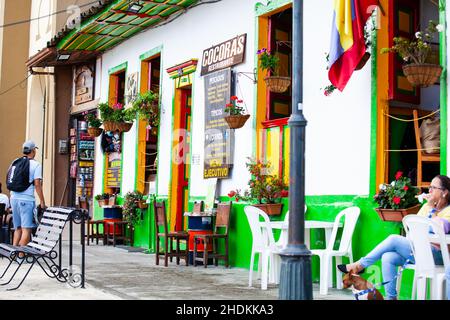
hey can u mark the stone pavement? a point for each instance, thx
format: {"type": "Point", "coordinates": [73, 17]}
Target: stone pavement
{"type": "Point", "coordinates": [115, 273]}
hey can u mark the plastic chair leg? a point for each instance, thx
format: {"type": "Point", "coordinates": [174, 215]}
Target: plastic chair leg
{"type": "Point", "coordinates": [338, 274]}
{"type": "Point", "coordinates": [421, 288]}
{"type": "Point", "coordinates": [324, 266]}
{"type": "Point", "coordinates": [264, 270]}
{"type": "Point", "coordinates": [250, 273]}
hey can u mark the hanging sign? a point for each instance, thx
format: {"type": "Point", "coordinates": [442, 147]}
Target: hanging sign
{"type": "Point", "coordinates": [224, 55]}
{"type": "Point", "coordinates": [83, 84]}
{"type": "Point", "coordinates": [218, 136]}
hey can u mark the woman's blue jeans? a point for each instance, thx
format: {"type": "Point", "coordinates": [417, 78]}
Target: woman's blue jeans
{"type": "Point", "coordinates": [393, 252]}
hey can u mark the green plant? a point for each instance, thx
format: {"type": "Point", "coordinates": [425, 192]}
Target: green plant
{"type": "Point", "coordinates": [146, 105]}
{"type": "Point", "coordinates": [130, 206]}
{"type": "Point", "coordinates": [268, 62]}
{"type": "Point", "coordinates": [92, 120]}
{"type": "Point", "coordinates": [106, 112]}
{"type": "Point", "coordinates": [102, 196]}
{"type": "Point", "coordinates": [233, 108]}
{"type": "Point", "coordinates": [129, 115]}
{"type": "Point", "coordinates": [264, 187]}
{"type": "Point", "coordinates": [116, 113]}
{"type": "Point", "coordinates": [399, 194]}
{"type": "Point", "coordinates": [415, 51]}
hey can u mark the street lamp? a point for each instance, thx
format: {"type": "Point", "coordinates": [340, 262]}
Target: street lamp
{"type": "Point", "coordinates": [295, 278]}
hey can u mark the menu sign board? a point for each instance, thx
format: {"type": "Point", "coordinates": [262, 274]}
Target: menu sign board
{"type": "Point", "coordinates": [224, 55]}
{"type": "Point", "coordinates": [218, 136]}
{"type": "Point", "coordinates": [113, 176]}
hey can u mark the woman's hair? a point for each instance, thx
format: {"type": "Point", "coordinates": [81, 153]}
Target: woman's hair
{"type": "Point", "coordinates": [445, 183]}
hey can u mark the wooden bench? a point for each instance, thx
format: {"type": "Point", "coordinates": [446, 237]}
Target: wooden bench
{"type": "Point", "coordinates": [41, 248]}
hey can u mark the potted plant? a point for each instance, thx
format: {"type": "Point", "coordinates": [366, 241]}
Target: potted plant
{"type": "Point", "coordinates": [101, 199]}
{"type": "Point", "coordinates": [397, 199]}
{"type": "Point", "coordinates": [94, 124]}
{"type": "Point", "coordinates": [265, 190]}
{"type": "Point", "coordinates": [146, 106]}
{"type": "Point", "coordinates": [414, 53]}
{"type": "Point", "coordinates": [270, 63]}
{"type": "Point", "coordinates": [237, 115]}
{"type": "Point", "coordinates": [132, 201]}
{"type": "Point", "coordinates": [116, 117]}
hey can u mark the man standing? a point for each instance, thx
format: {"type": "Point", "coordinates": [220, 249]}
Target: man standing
{"type": "Point", "coordinates": [22, 197]}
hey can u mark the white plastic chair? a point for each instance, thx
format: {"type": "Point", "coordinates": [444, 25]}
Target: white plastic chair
{"type": "Point", "coordinates": [263, 244]}
{"type": "Point", "coordinates": [418, 232]}
{"type": "Point", "coordinates": [345, 249]}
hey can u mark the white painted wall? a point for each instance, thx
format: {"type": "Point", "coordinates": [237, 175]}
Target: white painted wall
{"type": "Point", "coordinates": [338, 131]}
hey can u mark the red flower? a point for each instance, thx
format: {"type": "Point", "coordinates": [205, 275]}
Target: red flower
{"type": "Point", "coordinates": [237, 199]}
{"type": "Point", "coordinates": [284, 193]}
{"type": "Point", "coordinates": [405, 188]}
{"type": "Point", "coordinates": [232, 193]}
{"type": "Point", "coordinates": [234, 98]}
{"type": "Point", "coordinates": [230, 105]}
{"type": "Point", "coordinates": [240, 101]}
{"type": "Point", "coordinates": [398, 175]}
{"type": "Point", "coordinates": [396, 200]}
{"type": "Point", "coordinates": [326, 93]}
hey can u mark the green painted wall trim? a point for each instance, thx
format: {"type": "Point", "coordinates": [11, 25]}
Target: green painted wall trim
{"type": "Point", "coordinates": [151, 53]}
{"type": "Point", "coordinates": [118, 68]}
{"type": "Point", "coordinates": [64, 41]}
{"type": "Point", "coordinates": [261, 8]}
{"type": "Point", "coordinates": [443, 87]}
{"type": "Point", "coordinates": [373, 116]}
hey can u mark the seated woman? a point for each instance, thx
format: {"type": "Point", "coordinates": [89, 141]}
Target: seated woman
{"type": "Point", "coordinates": [395, 249]}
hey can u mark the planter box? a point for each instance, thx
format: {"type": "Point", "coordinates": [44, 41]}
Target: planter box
{"type": "Point", "coordinates": [272, 209]}
{"type": "Point", "coordinates": [396, 215]}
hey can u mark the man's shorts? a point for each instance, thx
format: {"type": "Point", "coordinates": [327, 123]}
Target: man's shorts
{"type": "Point", "coordinates": [23, 213]}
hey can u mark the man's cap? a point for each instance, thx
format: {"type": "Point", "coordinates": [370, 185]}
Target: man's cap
{"type": "Point", "coordinates": [29, 146]}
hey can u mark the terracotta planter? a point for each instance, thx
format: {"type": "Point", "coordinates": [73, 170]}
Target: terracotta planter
{"type": "Point", "coordinates": [101, 203]}
{"type": "Point", "coordinates": [237, 121]}
{"type": "Point", "coordinates": [272, 209]}
{"type": "Point", "coordinates": [422, 75]}
{"type": "Point", "coordinates": [396, 214]}
{"type": "Point", "coordinates": [277, 84]}
{"type": "Point", "coordinates": [363, 61]}
{"type": "Point", "coordinates": [94, 132]}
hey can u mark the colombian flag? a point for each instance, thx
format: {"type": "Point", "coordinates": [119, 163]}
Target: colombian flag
{"type": "Point", "coordinates": [347, 38]}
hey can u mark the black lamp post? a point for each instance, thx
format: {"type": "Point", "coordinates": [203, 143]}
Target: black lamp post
{"type": "Point", "coordinates": [295, 279]}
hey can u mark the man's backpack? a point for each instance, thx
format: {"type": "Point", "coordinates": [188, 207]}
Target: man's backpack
{"type": "Point", "coordinates": [18, 177]}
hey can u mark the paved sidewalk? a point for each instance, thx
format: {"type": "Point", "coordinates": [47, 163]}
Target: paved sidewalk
{"type": "Point", "coordinates": [115, 273]}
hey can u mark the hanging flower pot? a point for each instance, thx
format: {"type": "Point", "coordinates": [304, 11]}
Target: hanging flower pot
{"type": "Point", "coordinates": [124, 126]}
{"type": "Point", "coordinates": [277, 84]}
{"type": "Point", "coordinates": [237, 121]}
{"type": "Point", "coordinates": [422, 75]}
{"type": "Point", "coordinates": [94, 132]}
{"type": "Point", "coordinates": [109, 126]}
{"type": "Point", "coordinates": [363, 61]}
